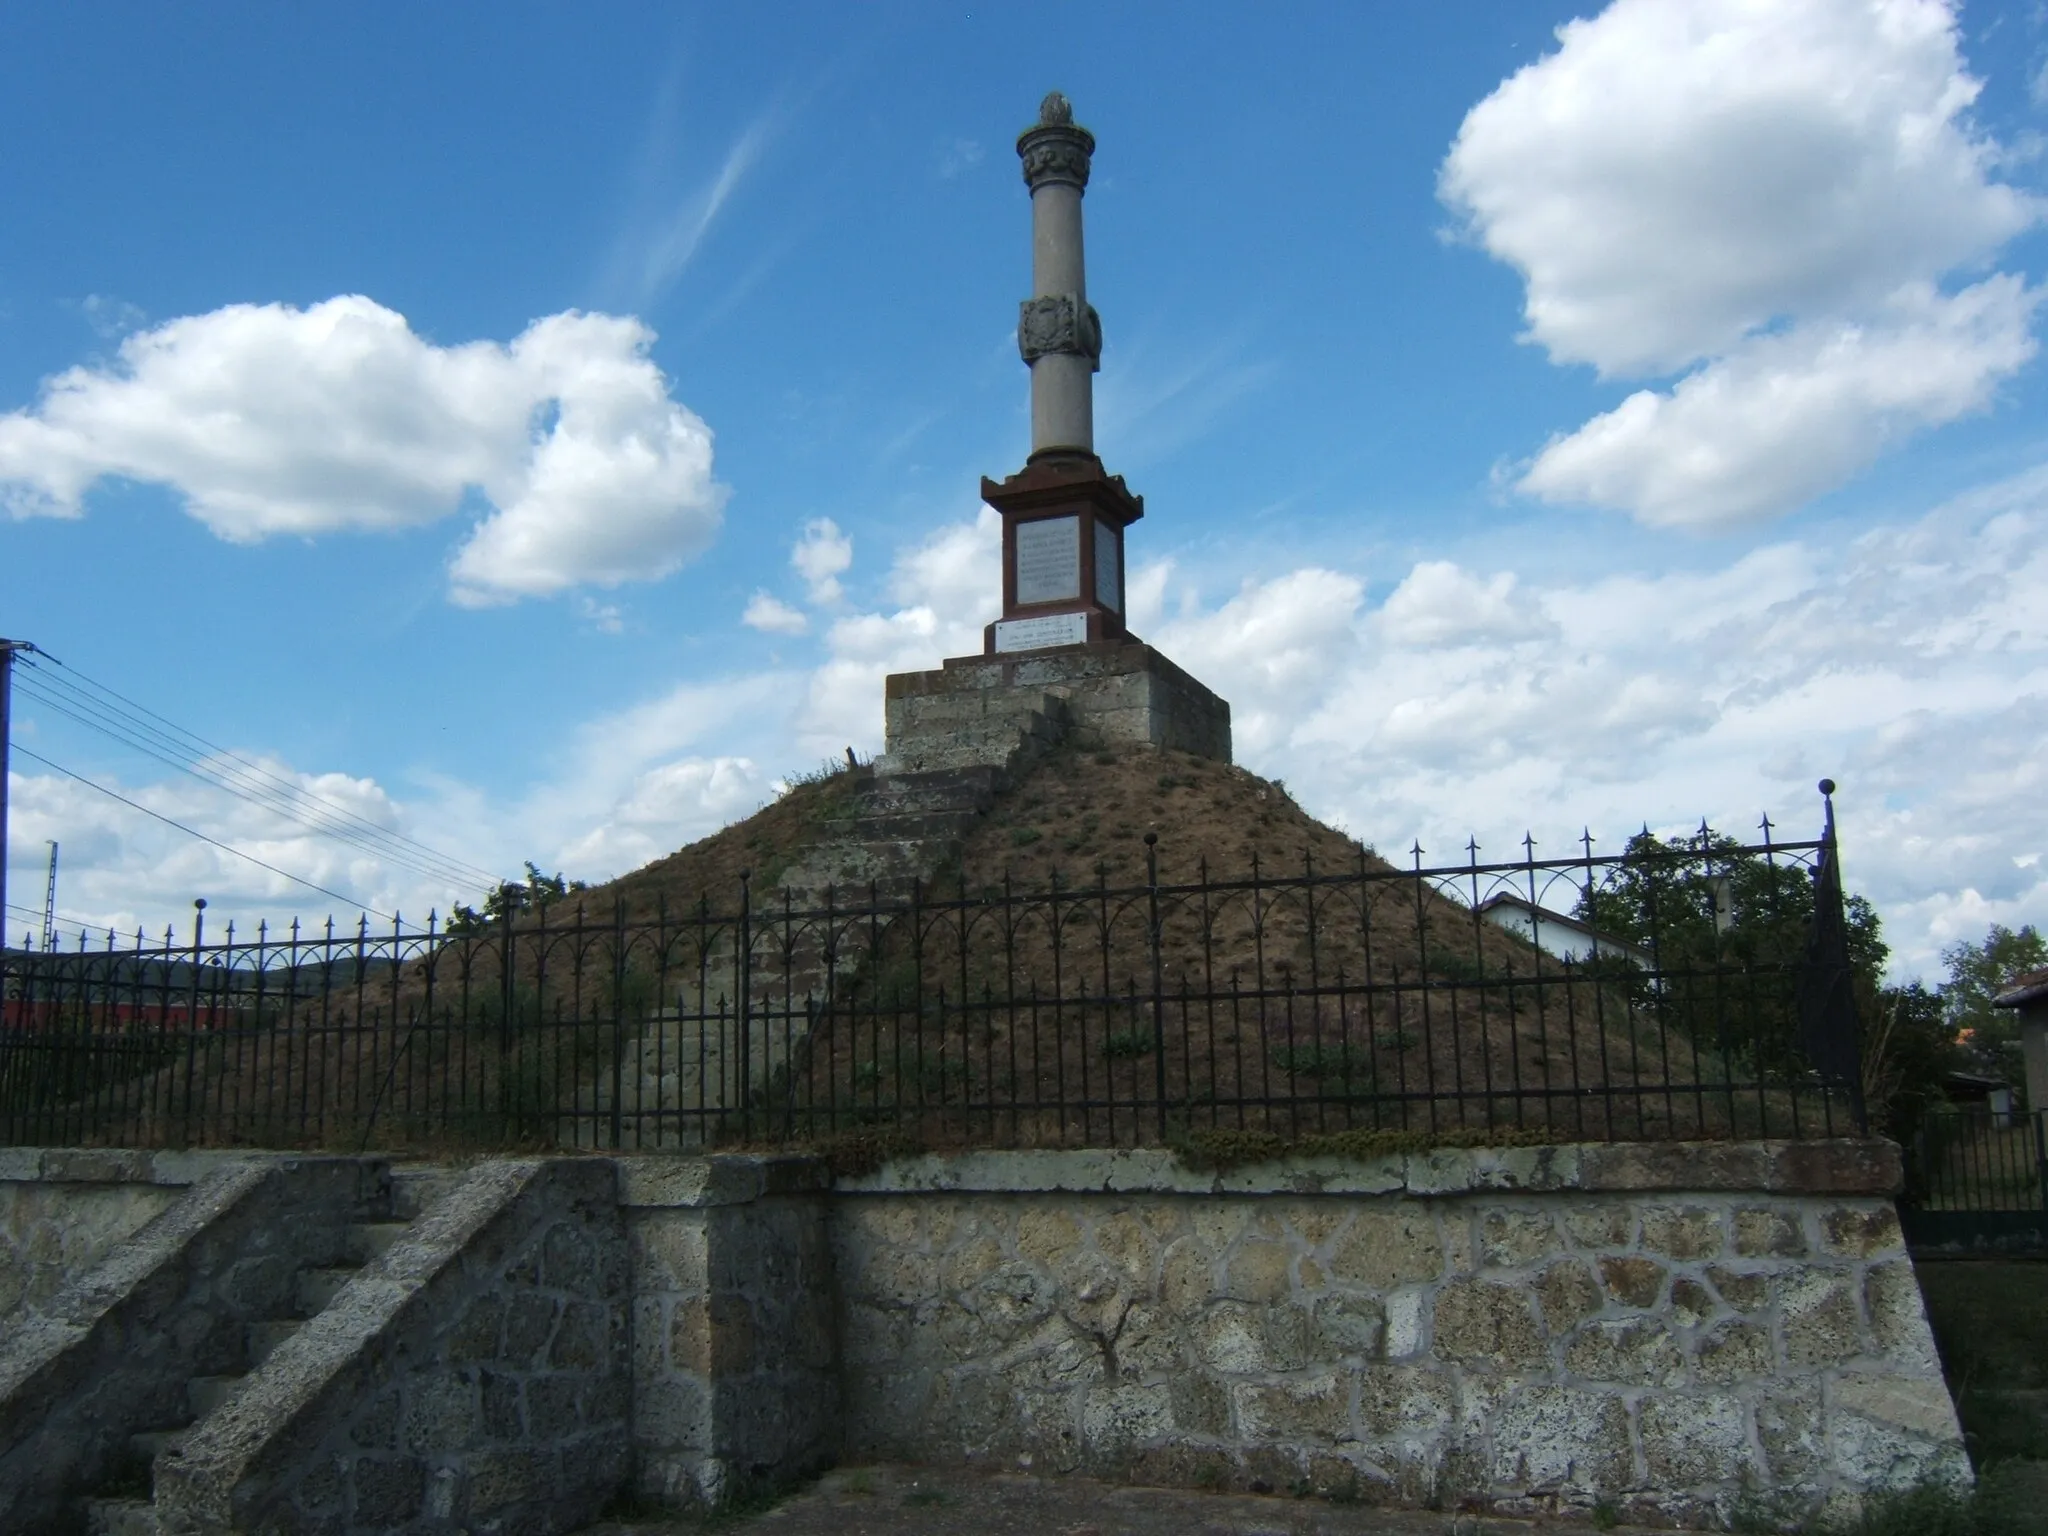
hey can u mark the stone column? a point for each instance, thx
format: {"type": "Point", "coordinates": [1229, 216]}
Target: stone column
{"type": "Point", "coordinates": [1058, 332]}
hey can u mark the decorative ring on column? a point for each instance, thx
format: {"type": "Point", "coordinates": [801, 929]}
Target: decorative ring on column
{"type": "Point", "coordinates": [1056, 150]}
{"type": "Point", "coordinates": [1059, 322]}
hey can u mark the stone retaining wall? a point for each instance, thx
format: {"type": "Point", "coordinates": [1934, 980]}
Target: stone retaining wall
{"type": "Point", "coordinates": [735, 1325]}
{"type": "Point", "coordinates": [115, 1348]}
{"type": "Point", "coordinates": [61, 1211]}
{"type": "Point", "coordinates": [473, 1378]}
{"type": "Point", "coordinates": [1670, 1331]}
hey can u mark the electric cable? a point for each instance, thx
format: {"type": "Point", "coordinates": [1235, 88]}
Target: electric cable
{"type": "Point", "coordinates": [262, 802]}
{"type": "Point", "coordinates": [284, 799]}
{"type": "Point", "coordinates": [195, 832]}
{"type": "Point", "coordinates": [130, 723]}
{"type": "Point", "coordinates": [254, 768]}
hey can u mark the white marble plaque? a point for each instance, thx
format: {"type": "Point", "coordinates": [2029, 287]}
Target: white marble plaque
{"type": "Point", "coordinates": [1037, 634]}
{"type": "Point", "coordinates": [1106, 583]}
{"type": "Point", "coordinates": [1049, 560]}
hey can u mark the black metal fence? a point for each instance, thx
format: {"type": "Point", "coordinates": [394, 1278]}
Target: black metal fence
{"type": "Point", "coordinates": [1676, 990]}
{"type": "Point", "coordinates": [1977, 1181]}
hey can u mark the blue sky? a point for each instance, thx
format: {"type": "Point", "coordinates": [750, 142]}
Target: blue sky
{"type": "Point", "coordinates": [539, 432]}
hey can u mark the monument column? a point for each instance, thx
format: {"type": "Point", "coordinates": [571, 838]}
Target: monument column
{"type": "Point", "coordinates": [1062, 634]}
{"type": "Point", "coordinates": [1057, 330]}
{"type": "Point", "coordinates": [1063, 516]}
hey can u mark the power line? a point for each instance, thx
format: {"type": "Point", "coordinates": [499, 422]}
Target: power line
{"type": "Point", "coordinates": [251, 781]}
{"type": "Point", "coordinates": [263, 801]}
{"type": "Point", "coordinates": [194, 832]}
{"type": "Point", "coordinates": [138, 726]}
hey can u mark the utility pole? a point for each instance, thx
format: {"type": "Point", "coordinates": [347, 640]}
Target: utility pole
{"type": "Point", "coordinates": [9, 649]}
{"type": "Point", "coordinates": [50, 903]}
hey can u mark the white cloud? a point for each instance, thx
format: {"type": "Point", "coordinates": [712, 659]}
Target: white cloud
{"type": "Point", "coordinates": [606, 618]}
{"type": "Point", "coordinates": [1771, 191]}
{"type": "Point", "coordinates": [1439, 603]}
{"type": "Point", "coordinates": [273, 420]}
{"type": "Point", "coordinates": [667, 807]}
{"type": "Point", "coordinates": [945, 588]}
{"type": "Point", "coordinates": [111, 317]}
{"type": "Point", "coordinates": [1268, 648]}
{"type": "Point", "coordinates": [772, 616]}
{"type": "Point", "coordinates": [1788, 417]}
{"type": "Point", "coordinates": [822, 554]}
{"type": "Point", "coordinates": [959, 156]}
{"type": "Point", "coordinates": [122, 869]}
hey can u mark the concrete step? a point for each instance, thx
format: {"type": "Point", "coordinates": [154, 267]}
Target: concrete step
{"type": "Point", "coordinates": [977, 704]}
{"type": "Point", "coordinates": [919, 825]}
{"type": "Point", "coordinates": [317, 1287]}
{"type": "Point", "coordinates": [369, 1240]}
{"type": "Point", "coordinates": [152, 1443]}
{"type": "Point", "coordinates": [416, 1186]}
{"type": "Point", "coordinates": [121, 1517]}
{"type": "Point", "coordinates": [262, 1339]}
{"type": "Point", "coordinates": [970, 787]}
{"type": "Point", "coordinates": [206, 1393]}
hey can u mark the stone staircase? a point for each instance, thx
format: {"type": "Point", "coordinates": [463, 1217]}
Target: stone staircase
{"type": "Point", "coordinates": [910, 816]}
{"type": "Point", "coordinates": [123, 1509]}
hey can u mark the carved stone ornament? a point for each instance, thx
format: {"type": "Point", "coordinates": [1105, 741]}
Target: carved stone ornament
{"type": "Point", "coordinates": [1059, 322]}
{"type": "Point", "coordinates": [1055, 155]}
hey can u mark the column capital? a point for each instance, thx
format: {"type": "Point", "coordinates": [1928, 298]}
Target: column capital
{"type": "Point", "coordinates": [1055, 150]}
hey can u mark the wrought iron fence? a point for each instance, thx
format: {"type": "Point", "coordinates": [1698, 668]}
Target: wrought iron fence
{"type": "Point", "coordinates": [1671, 991]}
{"type": "Point", "coordinates": [1977, 1179]}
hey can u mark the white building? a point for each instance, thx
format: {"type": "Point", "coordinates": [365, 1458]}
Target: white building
{"type": "Point", "coordinates": [1568, 938]}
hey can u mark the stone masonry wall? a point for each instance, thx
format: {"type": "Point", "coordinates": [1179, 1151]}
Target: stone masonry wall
{"type": "Point", "coordinates": [61, 1211]}
{"type": "Point", "coordinates": [472, 1379]}
{"type": "Point", "coordinates": [113, 1351]}
{"type": "Point", "coordinates": [1533, 1331]}
{"type": "Point", "coordinates": [1125, 693]}
{"type": "Point", "coordinates": [734, 1325]}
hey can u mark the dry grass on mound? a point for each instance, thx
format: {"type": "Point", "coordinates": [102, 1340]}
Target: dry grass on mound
{"type": "Point", "coordinates": [1360, 997]}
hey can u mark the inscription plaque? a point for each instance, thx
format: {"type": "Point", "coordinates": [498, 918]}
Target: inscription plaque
{"type": "Point", "coordinates": [1106, 582]}
{"type": "Point", "coordinates": [1036, 634]}
{"type": "Point", "coordinates": [1049, 560]}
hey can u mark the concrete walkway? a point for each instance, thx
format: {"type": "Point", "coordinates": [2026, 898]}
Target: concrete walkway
{"type": "Point", "coordinates": [925, 1501]}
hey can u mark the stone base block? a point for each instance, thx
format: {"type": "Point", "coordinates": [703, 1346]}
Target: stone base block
{"type": "Point", "coordinates": [1122, 692]}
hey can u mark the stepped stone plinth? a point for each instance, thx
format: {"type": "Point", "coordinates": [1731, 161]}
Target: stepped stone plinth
{"type": "Point", "coordinates": [1004, 709]}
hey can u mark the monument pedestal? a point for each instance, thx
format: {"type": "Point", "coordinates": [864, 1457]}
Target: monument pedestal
{"type": "Point", "coordinates": [990, 710]}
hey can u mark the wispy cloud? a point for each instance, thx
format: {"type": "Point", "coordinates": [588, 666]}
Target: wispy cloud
{"type": "Point", "coordinates": [958, 157]}
{"type": "Point", "coordinates": [1151, 407]}
{"type": "Point", "coordinates": [111, 318]}
{"type": "Point", "coordinates": [672, 203]}
{"type": "Point", "coordinates": [668, 252]}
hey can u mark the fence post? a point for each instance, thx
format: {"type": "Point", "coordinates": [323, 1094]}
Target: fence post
{"type": "Point", "coordinates": [507, 1083]}
{"type": "Point", "coordinates": [1158, 997]}
{"type": "Point", "coordinates": [743, 1010]}
{"type": "Point", "coordinates": [2040, 1118]}
{"type": "Point", "coordinates": [1828, 1029]}
{"type": "Point", "coordinates": [619, 1022]}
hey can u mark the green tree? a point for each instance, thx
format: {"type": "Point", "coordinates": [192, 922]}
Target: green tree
{"type": "Point", "coordinates": [1728, 930]}
{"type": "Point", "coordinates": [511, 898]}
{"type": "Point", "coordinates": [1976, 974]}
{"type": "Point", "coordinates": [1909, 1047]}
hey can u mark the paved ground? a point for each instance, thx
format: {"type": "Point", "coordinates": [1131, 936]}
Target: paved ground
{"type": "Point", "coordinates": [923, 1501]}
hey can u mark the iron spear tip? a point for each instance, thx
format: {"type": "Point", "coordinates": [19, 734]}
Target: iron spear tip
{"type": "Point", "coordinates": [1055, 111]}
